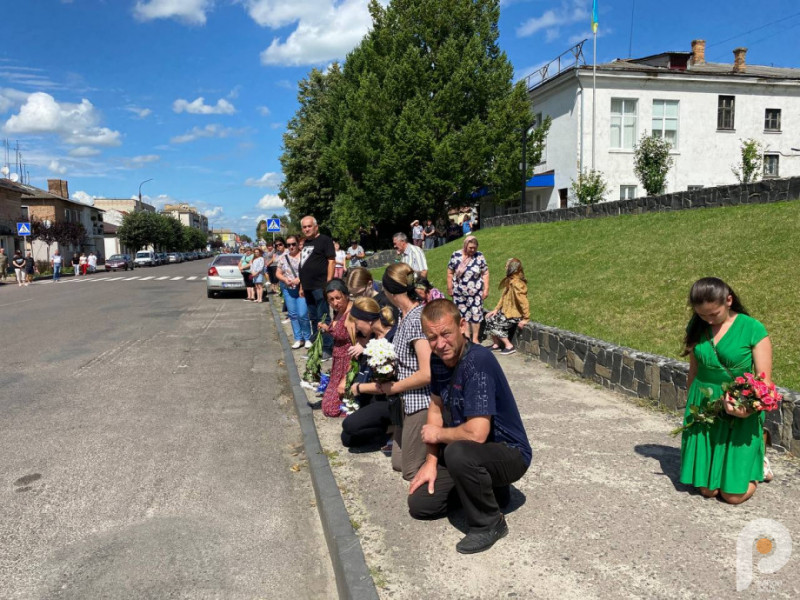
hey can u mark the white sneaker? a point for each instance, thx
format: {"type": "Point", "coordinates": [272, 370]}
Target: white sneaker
{"type": "Point", "coordinates": [285, 321]}
{"type": "Point", "coordinates": [297, 344]}
{"type": "Point", "coordinates": [308, 344]}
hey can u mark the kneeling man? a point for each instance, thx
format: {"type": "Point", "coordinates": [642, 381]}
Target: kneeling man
{"type": "Point", "coordinates": [476, 443]}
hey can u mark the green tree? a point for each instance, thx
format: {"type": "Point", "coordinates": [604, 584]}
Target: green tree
{"type": "Point", "coordinates": [245, 238]}
{"type": "Point", "coordinates": [652, 162]}
{"type": "Point", "coordinates": [749, 168]}
{"type": "Point", "coordinates": [138, 230]}
{"type": "Point", "coordinates": [589, 188]}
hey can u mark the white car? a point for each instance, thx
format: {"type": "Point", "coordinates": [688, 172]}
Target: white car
{"type": "Point", "coordinates": [224, 275]}
{"type": "Point", "coordinates": [145, 258]}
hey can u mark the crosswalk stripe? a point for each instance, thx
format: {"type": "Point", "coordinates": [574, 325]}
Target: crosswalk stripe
{"type": "Point", "coordinates": [192, 278]}
{"type": "Point", "coordinates": [204, 278]}
{"type": "Point", "coordinates": [116, 278]}
{"type": "Point", "coordinates": [146, 278]}
{"type": "Point", "coordinates": [130, 278]}
{"type": "Point", "coordinates": [100, 279]}
{"type": "Point", "coordinates": [177, 278]}
{"type": "Point", "coordinates": [162, 278]}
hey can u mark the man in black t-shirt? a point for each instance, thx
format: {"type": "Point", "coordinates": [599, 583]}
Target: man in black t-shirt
{"type": "Point", "coordinates": [317, 262]}
{"type": "Point", "coordinates": [476, 441]}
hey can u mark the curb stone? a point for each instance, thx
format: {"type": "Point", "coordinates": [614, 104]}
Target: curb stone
{"type": "Point", "coordinates": [353, 579]}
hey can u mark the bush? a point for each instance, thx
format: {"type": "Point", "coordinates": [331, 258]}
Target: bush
{"type": "Point", "coordinates": [589, 188]}
{"type": "Point", "coordinates": [652, 162]}
{"type": "Point", "coordinates": [750, 167]}
{"type": "Point", "coordinates": [43, 267]}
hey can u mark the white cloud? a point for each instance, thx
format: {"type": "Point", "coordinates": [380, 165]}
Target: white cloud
{"type": "Point", "coordinates": [192, 12]}
{"type": "Point", "coordinates": [326, 29]}
{"type": "Point", "coordinates": [56, 167]}
{"type": "Point", "coordinates": [139, 112]}
{"type": "Point", "coordinates": [270, 201]}
{"type": "Point", "coordinates": [138, 161]}
{"type": "Point", "coordinates": [267, 180]}
{"type": "Point", "coordinates": [212, 213]}
{"type": "Point", "coordinates": [209, 131]}
{"type": "Point", "coordinates": [568, 13]}
{"type": "Point", "coordinates": [83, 197]}
{"type": "Point", "coordinates": [9, 98]}
{"type": "Point", "coordinates": [199, 107]}
{"type": "Point", "coordinates": [84, 152]}
{"type": "Point", "coordinates": [263, 111]}
{"type": "Point", "coordinates": [76, 123]}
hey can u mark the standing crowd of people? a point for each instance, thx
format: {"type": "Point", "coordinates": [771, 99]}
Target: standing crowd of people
{"type": "Point", "coordinates": [25, 267]}
{"type": "Point", "coordinates": [448, 417]}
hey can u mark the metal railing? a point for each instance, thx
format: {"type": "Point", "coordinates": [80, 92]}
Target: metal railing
{"type": "Point", "coordinates": [566, 60]}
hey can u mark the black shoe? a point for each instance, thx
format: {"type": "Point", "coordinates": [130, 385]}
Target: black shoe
{"type": "Point", "coordinates": [480, 541]}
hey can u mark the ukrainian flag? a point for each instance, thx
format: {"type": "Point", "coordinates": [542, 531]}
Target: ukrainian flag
{"type": "Point", "coordinates": [594, 16]}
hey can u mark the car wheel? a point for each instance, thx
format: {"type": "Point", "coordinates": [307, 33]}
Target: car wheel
{"type": "Point", "coordinates": [209, 294]}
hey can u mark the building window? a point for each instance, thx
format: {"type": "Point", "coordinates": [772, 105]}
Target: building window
{"type": "Point", "coordinates": [725, 110]}
{"type": "Point", "coordinates": [627, 192]}
{"type": "Point", "coordinates": [665, 120]}
{"type": "Point", "coordinates": [772, 119]}
{"type": "Point", "coordinates": [771, 163]}
{"type": "Point", "coordinates": [693, 188]}
{"type": "Point", "coordinates": [623, 123]}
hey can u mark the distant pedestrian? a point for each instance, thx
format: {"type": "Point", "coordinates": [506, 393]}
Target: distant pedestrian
{"type": "Point", "coordinates": [19, 267]}
{"type": "Point", "coordinates": [453, 231]}
{"type": "Point", "coordinates": [466, 226]}
{"type": "Point", "coordinates": [76, 261]}
{"type": "Point", "coordinates": [317, 262]}
{"type": "Point", "coordinates": [244, 267]}
{"type": "Point", "coordinates": [271, 256]}
{"type": "Point", "coordinates": [468, 284]}
{"type": "Point", "coordinates": [417, 233]}
{"type": "Point", "coordinates": [512, 309]}
{"type": "Point", "coordinates": [3, 264]}
{"type": "Point", "coordinates": [441, 232]}
{"type": "Point", "coordinates": [341, 260]}
{"type": "Point", "coordinates": [83, 263]}
{"type": "Point", "coordinates": [56, 262]}
{"type": "Point", "coordinates": [429, 235]}
{"type": "Point", "coordinates": [356, 254]}
{"type": "Point", "coordinates": [91, 261]}
{"type": "Point", "coordinates": [30, 268]}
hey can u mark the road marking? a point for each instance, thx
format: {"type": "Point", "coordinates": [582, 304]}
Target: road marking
{"type": "Point", "coordinates": [162, 278]}
{"type": "Point", "coordinates": [116, 278]}
{"type": "Point", "coordinates": [177, 278]}
{"type": "Point", "coordinates": [100, 279]}
{"type": "Point", "coordinates": [146, 278]}
{"type": "Point", "coordinates": [192, 278]}
{"type": "Point", "coordinates": [204, 278]}
{"type": "Point", "coordinates": [130, 278]}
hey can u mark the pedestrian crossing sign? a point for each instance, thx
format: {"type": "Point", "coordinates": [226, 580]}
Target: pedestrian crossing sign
{"type": "Point", "coordinates": [274, 225]}
{"type": "Point", "coordinates": [23, 229]}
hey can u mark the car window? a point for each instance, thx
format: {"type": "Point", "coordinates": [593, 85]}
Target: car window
{"type": "Point", "coordinates": [227, 260]}
{"type": "Point", "coordinates": [142, 255]}
{"type": "Point", "coordinates": [117, 257]}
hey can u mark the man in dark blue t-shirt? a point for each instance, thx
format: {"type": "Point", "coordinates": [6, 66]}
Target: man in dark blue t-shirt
{"type": "Point", "coordinates": [476, 442]}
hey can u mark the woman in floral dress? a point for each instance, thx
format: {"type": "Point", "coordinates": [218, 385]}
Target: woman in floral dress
{"type": "Point", "coordinates": [339, 300]}
{"type": "Point", "coordinates": [468, 284]}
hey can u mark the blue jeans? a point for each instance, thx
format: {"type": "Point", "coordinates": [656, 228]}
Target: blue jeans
{"type": "Point", "coordinates": [298, 314]}
{"type": "Point", "coordinates": [317, 311]}
{"type": "Point", "coordinates": [56, 272]}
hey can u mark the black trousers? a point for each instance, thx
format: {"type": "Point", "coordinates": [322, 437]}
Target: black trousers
{"type": "Point", "coordinates": [469, 472]}
{"type": "Point", "coordinates": [367, 426]}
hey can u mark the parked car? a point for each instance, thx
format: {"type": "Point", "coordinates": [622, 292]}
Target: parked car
{"type": "Point", "coordinates": [119, 261]}
{"type": "Point", "coordinates": [146, 258]}
{"type": "Point", "coordinates": [174, 257]}
{"type": "Point", "coordinates": [193, 255]}
{"type": "Point", "coordinates": [162, 258]}
{"type": "Point", "coordinates": [224, 275]}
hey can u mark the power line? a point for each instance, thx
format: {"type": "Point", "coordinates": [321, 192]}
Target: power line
{"type": "Point", "coordinates": [752, 30]}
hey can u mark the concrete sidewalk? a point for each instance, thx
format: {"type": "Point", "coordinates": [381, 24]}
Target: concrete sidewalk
{"type": "Point", "coordinates": [600, 513]}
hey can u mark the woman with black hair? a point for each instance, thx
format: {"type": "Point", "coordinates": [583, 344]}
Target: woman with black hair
{"type": "Point", "coordinates": [723, 342]}
{"type": "Point", "coordinates": [343, 334]}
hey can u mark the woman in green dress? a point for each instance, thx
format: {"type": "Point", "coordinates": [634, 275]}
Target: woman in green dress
{"type": "Point", "coordinates": [723, 342]}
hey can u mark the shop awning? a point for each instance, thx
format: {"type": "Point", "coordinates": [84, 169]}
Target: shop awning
{"type": "Point", "coordinates": [542, 180]}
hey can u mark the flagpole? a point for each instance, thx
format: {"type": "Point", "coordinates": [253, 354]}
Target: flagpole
{"type": "Point", "coordinates": [594, 94]}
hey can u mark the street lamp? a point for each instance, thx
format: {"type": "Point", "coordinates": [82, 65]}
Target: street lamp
{"type": "Point", "coordinates": [140, 189]}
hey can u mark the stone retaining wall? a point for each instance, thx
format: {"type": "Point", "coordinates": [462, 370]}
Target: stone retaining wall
{"type": "Point", "coordinates": [761, 192]}
{"type": "Point", "coordinates": [658, 379]}
{"type": "Point", "coordinates": [381, 258]}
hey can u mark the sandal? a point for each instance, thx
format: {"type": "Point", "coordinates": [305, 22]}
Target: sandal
{"type": "Point", "coordinates": [768, 474]}
{"type": "Point", "coordinates": [495, 347]}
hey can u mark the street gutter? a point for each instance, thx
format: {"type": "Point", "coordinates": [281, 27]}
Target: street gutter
{"type": "Point", "coordinates": [353, 579]}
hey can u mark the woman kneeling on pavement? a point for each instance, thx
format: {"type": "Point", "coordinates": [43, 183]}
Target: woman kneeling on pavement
{"type": "Point", "coordinates": [368, 426]}
{"type": "Point", "coordinates": [343, 339]}
{"type": "Point", "coordinates": [413, 369]}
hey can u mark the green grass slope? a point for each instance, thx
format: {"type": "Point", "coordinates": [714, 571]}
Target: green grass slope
{"type": "Point", "coordinates": [626, 279]}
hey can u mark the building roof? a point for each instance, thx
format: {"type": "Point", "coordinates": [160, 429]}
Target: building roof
{"type": "Point", "coordinates": [31, 192]}
{"type": "Point", "coordinates": [109, 228]}
{"type": "Point", "coordinates": [11, 185]}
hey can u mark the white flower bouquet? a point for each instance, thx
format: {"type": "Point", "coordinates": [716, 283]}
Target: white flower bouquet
{"type": "Point", "coordinates": [381, 358]}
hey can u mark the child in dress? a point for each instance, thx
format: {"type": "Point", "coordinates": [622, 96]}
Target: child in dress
{"type": "Point", "coordinates": [512, 309]}
{"type": "Point", "coordinates": [723, 342]}
{"type": "Point", "coordinates": [341, 258]}
{"type": "Point", "coordinates": [343, 334]}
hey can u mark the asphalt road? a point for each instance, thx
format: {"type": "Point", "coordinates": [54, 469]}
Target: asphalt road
{"type": "Point", "coordinates": [147, 441]}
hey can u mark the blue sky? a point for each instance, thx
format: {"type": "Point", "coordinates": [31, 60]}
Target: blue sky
{"type": "Point", "coordinates": [195, 94]}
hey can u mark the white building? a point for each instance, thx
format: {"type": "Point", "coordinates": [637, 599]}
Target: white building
{"type": "Point", "coordinates": [704, 109]}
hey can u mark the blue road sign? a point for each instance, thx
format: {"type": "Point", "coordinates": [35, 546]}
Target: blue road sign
{"type": "Point", "coordinates": [274, 225]}
{"type": "Point", "coordinates": [23, 229]}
